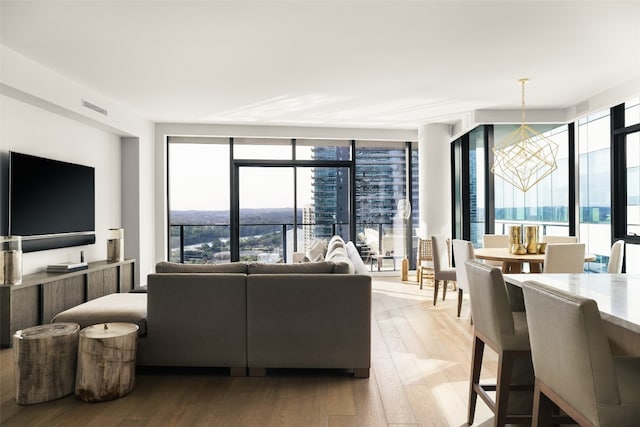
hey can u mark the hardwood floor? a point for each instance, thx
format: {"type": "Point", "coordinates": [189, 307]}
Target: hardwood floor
{"type": "Point", "coordinates": [419, 377]}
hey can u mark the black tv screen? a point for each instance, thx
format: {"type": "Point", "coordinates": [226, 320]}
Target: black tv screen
{"type": "Point", "coordinates": [51, 203]}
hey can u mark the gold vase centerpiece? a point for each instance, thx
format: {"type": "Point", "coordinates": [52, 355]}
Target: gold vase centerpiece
{"type": "Point", "coordinates": [515, 239]}
{"type": "Point", "coordinates": [531, 239]}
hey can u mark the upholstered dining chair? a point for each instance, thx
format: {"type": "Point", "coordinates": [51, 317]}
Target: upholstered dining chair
{"type": "Point", "coordinates": [574, 367]}
{"type": "Point", "coordinates": [564, 258]}
{"type": "Point", "coordinates": [495, 241]}
{"type": "Point", "coordinates": [442, 270]}
{"type": "Point", "coordinates": [559, 239]}
{"type": "Point", "coordinates": [462, 252]}
{"type": "Point", "coordinates": [424, 261]}
{"type": "Point", "coordinates": [495, 325]}
{"type": "Point", "coordinates": [615, 259]}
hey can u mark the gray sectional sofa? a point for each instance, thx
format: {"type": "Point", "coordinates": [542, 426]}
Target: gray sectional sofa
{"type": "Point", "coordinates": [258, 316]}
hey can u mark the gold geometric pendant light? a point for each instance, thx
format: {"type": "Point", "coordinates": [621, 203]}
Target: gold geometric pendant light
{"type": "Point", "coordinates": [524, 157]}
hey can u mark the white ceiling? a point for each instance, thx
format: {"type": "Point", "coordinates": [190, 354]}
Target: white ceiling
{"type": "Point", "coordinates": [385, 64]}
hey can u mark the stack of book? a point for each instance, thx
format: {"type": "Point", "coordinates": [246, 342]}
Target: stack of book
{"type": "Point", "coordinates": [66, 267]}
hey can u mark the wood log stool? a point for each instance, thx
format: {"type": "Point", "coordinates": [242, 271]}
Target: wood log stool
{"type": "Point", "coordinates": [45, 362]}
{"type": "Point", "coordinates": [106, 361]}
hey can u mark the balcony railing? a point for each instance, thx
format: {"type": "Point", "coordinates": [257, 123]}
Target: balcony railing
{"type": "Point", "coordinates": [268, 242]}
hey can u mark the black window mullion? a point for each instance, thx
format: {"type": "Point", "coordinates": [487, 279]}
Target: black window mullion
{"type": "Point", "coordinates": [408, 224]}
{"type": "Point", "coordinates": [618, 174]}
{"type": "Point", "coordinates": [489, 193]}
{"type": "Point", "coordinates": [573, 179]}
{"type": "Point", "coordinates": [465, 181]}
{"type": "Point", "coordinates": [234, 208]}
{"type": "Point", "coordinates": [352, 193]}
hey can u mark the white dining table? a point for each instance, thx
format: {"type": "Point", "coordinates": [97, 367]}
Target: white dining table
{"type": "Point", "coordinates": [617, 296]}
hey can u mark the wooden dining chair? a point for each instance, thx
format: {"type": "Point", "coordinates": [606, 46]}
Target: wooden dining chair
{"type": "Point", "coordinates": [564, 258]}
{"type": "Point", "coordinates": [442, 269]}
{"type": "Point", "coordinates": [615, 259]}
{"type": "Point", "coordinates": [574, 367]}
{"type": "Point", "coordinates": [495, 241]}
{"type": "Point", "coordinates": [424, 261]}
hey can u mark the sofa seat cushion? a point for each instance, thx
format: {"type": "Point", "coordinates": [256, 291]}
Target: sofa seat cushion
{"type": "Point", "coordinates": [125, 307]}
{"type": "Point", "coordinates": [176, 267]}
{"type": "Point", "coordinates": [300, 268]}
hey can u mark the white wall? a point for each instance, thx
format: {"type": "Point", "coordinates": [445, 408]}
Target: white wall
{"type": "Point", "coordinates": [42, 114]}
{"type": "Point", "coordinates": [31, 130]}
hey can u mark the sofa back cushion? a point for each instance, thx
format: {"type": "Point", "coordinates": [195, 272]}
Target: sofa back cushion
{"type": "Point", "coordinates": [300, 268]}
{"type": "Point", "coordinates": [354, 256]}
{"type": "Point", "coordinates": [316, 250]}
{"type": "Point", "coordinates": [175, 267]}
{"type": "Point", "coordinates": [341, 258]}
{"type": "Point", "coordinates": [333, 245]}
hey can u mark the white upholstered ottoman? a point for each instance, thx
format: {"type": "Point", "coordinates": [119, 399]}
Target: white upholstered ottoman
{"type": "Point", "coordinates": [119, 307]}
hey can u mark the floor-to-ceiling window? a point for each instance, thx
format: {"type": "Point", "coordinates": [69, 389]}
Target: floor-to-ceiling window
{"type": "Point", "coordinates": [381, 184]}
{"type": "Point", "coordinates": [261, 199]}
{"type": "Point", "coordinates": [198, 199]}
{"type": "Point", "coordinates": [605, 186]}
{"type": "Point", "coordinates": [626, 149]}
{"type": "Point", "coordinates": [546, 203]}
{"type": "Point", "coordinates": [477, 186]}
{"type": "Point", "coordinates": [594, 167]}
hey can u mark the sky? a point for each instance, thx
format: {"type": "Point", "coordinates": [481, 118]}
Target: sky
{"type": "Point", "coordinates": [199, 178]}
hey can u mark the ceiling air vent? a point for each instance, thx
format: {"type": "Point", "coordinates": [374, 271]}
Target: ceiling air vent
{"type": "Point", "coordinates": [94, 107]}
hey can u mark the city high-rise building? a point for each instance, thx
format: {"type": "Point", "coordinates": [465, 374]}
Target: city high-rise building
{"type": "Point", "coordinates": [380, 184]}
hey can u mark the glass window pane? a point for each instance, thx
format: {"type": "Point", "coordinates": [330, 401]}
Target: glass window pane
{"type": "Point", "coordinates": [198, 180]}
{"type": "Point", "coordinates": [595, 188]}
{"type": "Point", "coordinates": [316, 149]}
{"type": "Point", "coordinates": [262, 148]}
{"type": "Point", "coordinates": [266, 212]}
{"type": "Point", "coordinates": [632, 252]}
{"type": "Point", "coordinates": [632, 112]}
{"type": "Point", "coordinates": [323, 196]}
{"type": "Point", "coordinates": [380, 185]}
{"type": "Point", "coordinates": [477, 184]}
{"type": "Point", "coordinates": [633, 183]}
{"type": "Point", "coordinates": [547, 203]}
{"type": "Point", "coordinates": [415, 206]}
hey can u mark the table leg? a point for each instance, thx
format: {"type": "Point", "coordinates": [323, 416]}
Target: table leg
{"type": "Point", "coordinates": [535, 267]}
{"type": "Point", "coordinates": [511, 267]}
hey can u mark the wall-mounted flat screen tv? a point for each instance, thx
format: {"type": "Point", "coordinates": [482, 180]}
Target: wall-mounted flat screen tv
{"type": "Point", "coordinates": [51, 202]}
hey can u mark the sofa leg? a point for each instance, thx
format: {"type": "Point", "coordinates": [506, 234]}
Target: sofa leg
{"type": "Point", "coordinates": [361, 372]}
{"type": "Point", "coordinates": [257, 372]}
{"type": "Point", "coordinates": [235, 371]}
